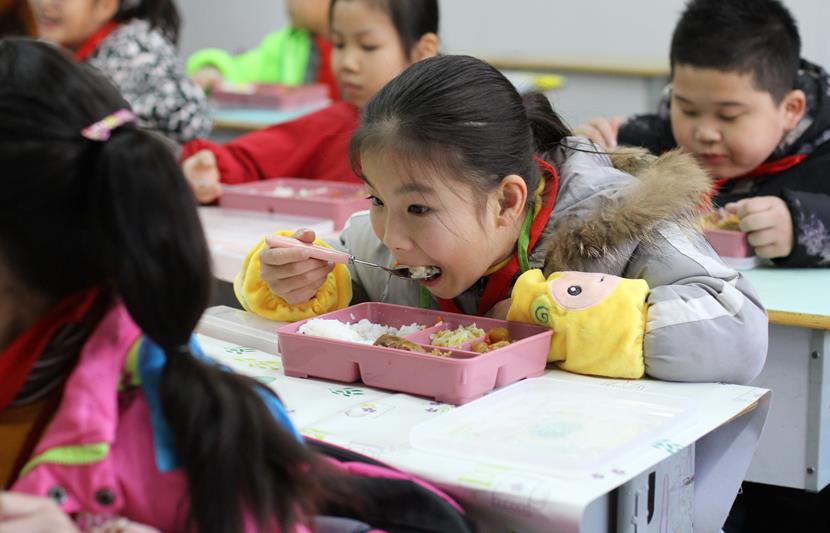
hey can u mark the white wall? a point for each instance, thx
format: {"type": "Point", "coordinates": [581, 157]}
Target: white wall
{"type": "Point", "coordinates": [234, 25]}
{"type": "Point", "coordinates": [623, 29]}
{"type": "Point", "coordinates": [624, 32]}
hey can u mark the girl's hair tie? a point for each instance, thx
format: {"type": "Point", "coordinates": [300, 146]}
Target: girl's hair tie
{"type": "Point", "coordinates": [102, 130]}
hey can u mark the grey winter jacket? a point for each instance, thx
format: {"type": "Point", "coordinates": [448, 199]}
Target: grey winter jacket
{"type": "Point", "coordinates": [705, 322]}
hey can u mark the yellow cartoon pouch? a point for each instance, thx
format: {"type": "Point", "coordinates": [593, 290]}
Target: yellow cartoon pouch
{"type": "Point", "coordinates": [598, 320]}
{"type": "Point", "coordinates": [255, 295]}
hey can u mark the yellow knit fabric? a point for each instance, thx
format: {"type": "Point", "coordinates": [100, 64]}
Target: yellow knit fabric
{"type": "Point", "coordinates": [604, 339]}
{"type": "Point", "coordinates": [256, 297]}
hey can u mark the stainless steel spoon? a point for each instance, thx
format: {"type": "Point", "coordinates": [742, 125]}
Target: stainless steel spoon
{"type": "Point", "coordinates": [412, 273]}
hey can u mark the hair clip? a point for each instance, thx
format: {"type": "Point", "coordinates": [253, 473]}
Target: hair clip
{"type": "Point", "coordinates": [102, 130]}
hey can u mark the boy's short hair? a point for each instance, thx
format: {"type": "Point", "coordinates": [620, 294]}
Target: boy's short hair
{"type": "Point", "coordinates": [742, 36]}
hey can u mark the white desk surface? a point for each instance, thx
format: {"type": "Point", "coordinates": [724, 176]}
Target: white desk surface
{"type": "Point", "coordinates": [245, 119]}
{"type": "Point", "coordinates": [794, 297]}
{"type": "Point", "coordinates": [601, 432]}
{"type": "Point", "coordinates": [231, 233]}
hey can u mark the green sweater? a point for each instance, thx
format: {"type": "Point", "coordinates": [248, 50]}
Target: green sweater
{"type": "Point", "coordinates": [282, 57]}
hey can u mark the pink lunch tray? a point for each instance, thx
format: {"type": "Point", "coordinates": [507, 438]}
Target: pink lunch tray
{"type": "Point", "coordinates": [456, 379]}
{"type": "Point", "coordinates": [333, 200]}
{"type": "Point", "coordinates": [271, 96]}
{"type": "Point", "coordinates": [729, 243]}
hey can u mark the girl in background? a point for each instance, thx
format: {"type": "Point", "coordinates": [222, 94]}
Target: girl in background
{"type": "Point", "coordinates": [373, 41]}
{"type": "Point", "coordinates": [133, 43]}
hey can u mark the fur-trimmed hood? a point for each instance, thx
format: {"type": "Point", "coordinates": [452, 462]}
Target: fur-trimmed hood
{"type": "Point", "coordinates": [601, 216]}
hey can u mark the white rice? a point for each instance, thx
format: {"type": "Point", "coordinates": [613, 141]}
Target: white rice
{"type": "Point", "coordinates": [363, 332]}
{"type": "Point", "coordinates": [291, 192]}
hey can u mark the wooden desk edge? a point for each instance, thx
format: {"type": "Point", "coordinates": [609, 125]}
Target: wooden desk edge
{"type": "Point", "coordinates": [586, 66]}
{"type": "Point", "coordinates": [241, 125]}
{"type": "Point", "coordinates": [801, 320]}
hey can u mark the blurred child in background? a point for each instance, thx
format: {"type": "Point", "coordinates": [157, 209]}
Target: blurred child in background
{"type": "Point", "coordinates": [373, 42]}
{"type": "Point", "coordinates": [133, 43]}
{"type": "Point", "coordinates": [755, 115]}
{"type": "Point", "coordinates": [297, 54]}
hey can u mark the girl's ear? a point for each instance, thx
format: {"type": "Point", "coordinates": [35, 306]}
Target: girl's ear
{"type": "Point", "coordinates": [512, 197]}
{"type": "Point", "coordinates": [104, 10]}
{"type": "Point", "coordinates": [427, 46]}
{"type": "Point", "coordinates": [794, 105]}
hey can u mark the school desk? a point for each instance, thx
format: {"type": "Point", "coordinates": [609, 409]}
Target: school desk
{"type": "Point", "coordinates": [229, 123]}
{"type": "Point", "coordinates": [795, 449]}
{"type": "Point", "coordinates": [602, 454]}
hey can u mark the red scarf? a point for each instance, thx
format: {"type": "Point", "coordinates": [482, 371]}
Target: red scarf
{"type": "Point", "coordinates": [499, 283]}
{"type": "Point", "coordinates": [90, 45]}
{"type": "Point", "coordinates": [764, 169]}
{"type": "Point", "coordinates": [17, 360]}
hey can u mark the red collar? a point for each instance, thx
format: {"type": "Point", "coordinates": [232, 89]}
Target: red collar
{"type": "Point", "coordinates": [90, 45]}
{"type": "Point", "coordinates": [774, 167]}
{"type": "Point", "coordinates": [17, 360]}
{"type": "Point", "coordinates": [765, 169]}
{"type": "Point", "coordinates": [500, 282]}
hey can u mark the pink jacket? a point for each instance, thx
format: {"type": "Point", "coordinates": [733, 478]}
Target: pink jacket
{"type": "Point", "coordinates": [96, 457]}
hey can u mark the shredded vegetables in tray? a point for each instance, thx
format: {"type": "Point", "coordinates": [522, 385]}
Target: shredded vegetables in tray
{"type": "Point", "coordinates": [458, 336]}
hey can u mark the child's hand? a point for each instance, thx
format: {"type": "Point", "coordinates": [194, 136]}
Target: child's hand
{"type": "Point", "coordinates": [500, 309]}
{"type": "Point", "coordinates": [22, 513]}
{"type": "Point", "coordinates": [601, 130]}
{"type": "Point", "coordinates": [768, 224]}
{"type": "Point", "coordinates": [207, 78]}
{"type": "Point", "coordinates": [289, 272]}
{"type": "Point", "coordinates": [202, 174]}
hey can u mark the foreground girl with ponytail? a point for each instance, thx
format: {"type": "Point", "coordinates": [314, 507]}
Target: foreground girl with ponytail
{"type": "Point", "coordinates": [107, 405]}
{"type": "Point", "coordinates": [467, 176]}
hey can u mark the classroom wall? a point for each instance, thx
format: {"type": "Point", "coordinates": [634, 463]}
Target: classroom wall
{"type": "Point", "coordinates": [630, 34]}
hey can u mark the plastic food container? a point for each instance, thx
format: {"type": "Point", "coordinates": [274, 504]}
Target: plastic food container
{"type": "Point", "coordinates": [332, 200]}
{"type": "Point", "coordinates": [733, 247]}
{"type": "Point", "coordinates": [268, 96]}
{"type": "Point", "coordinates": [458, 378]}
{"type": "Point", "coordinates": [544, 424]}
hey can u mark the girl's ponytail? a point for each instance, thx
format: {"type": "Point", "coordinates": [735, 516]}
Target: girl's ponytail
{"type": "Point", "coordinates": [547, 126]}
{"type": "Point", "coordinates": [236, 456]}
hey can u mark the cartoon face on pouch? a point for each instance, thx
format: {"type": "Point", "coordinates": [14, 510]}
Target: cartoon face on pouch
{"type": "Point", "coordinates": [598, 320]}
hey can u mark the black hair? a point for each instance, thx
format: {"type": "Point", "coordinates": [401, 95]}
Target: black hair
{"type": "Point", "coordinates": [412, 19]}
{"type": "Point", "coordinates": [757, 37]}
{"type": "Point", "coordinates": [160, 14]}
{"type": "Point", "coordinates": [463, 116]}
{"type": "Point", "coordinates": [119, 216]}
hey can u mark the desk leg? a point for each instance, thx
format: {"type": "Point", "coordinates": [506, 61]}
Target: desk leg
{"type": "Point", "coordinates": [661, 500]}
{"type": "Point", "coordinates": [794, 450]}
{"type": "Point", "coordinates": [817, 471]}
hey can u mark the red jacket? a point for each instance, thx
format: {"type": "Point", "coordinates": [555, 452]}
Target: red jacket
{"type": "Point", "coordinates": [315, 146]}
